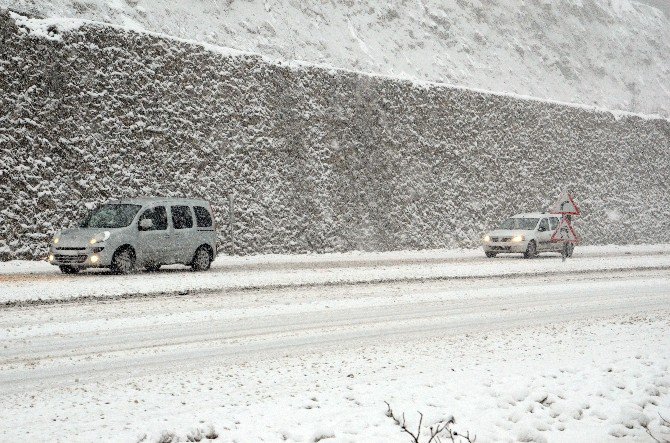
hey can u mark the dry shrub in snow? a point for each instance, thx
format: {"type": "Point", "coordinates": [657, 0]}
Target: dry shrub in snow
{"type": "Point", "coordinates": [442, 429]}
{"type": "Point", "coordinates": [167, 437]}
{"type": "Point", "coordinates": [195, 435]}
{"type": "Point", "coordinates": [664, 423]}
{"type": "Point", "coordinates": [211, 434]}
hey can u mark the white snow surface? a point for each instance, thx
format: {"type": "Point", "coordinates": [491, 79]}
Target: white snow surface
{"type": "Point", "coordinates": [38, 280]}
{"type": "Point", "coordinates": [569, 356]}
{"type": "Point", "coordinates": [613, 54]}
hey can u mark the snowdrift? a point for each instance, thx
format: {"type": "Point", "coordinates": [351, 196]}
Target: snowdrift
{"type": "Point", "coordinates": [609, 53]}
{"type": "Point", "coordinates": [318, 159]}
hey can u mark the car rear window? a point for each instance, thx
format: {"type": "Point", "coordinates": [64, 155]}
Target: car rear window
{"type": "Point", "coordinates": [181, 217]}
{"type": "Point", "coordinates": [202, 217]}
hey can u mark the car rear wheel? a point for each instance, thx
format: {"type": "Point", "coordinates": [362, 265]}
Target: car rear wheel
{"type": "Point", "coordinates": [201, 260]}
{"type": "Point", "coordinates": [531, 250]}
{"type": "Point", "coordinates": [123, 261]}
{"type": "Point", "coordinates": [68, 269]}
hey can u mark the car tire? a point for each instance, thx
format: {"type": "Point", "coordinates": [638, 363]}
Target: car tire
{"type": "Point", "coordinates": [490, 254]}
{"type": "Point", "coordinates": [69, 269]}
{"type": "Point", "coordinates": [202, 259]}
{"type": "Point", "coordinates": [152, 267]}
{"type": "Point", "coordinates": [531, 250]}
{"type": "Point", "coordinates": [123, 261]}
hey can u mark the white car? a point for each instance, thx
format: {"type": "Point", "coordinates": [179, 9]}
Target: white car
{"type": "Point", "coordinates": [139, 232]}
{"type": "Point", "coordinates": [527, 234]}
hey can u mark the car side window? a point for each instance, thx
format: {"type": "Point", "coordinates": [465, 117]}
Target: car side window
{"type": "Point", "coordinates": [203, 219]}
{"type": "Point", "coordinates": [544, 225]}
{"type": "Point", "coordinates": [181, 217]}
{"type": "Point", "coordinates": [553, 221]}
{"type": "Point", "coordinates": [158, 215]}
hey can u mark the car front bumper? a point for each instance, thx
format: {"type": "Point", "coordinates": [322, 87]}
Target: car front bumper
{"type": "Point", "coordinates": [80, 257]}
{"type": "Point", "coordinates": [506, 247]}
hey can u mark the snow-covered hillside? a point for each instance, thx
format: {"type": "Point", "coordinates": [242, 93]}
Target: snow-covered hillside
{"type": "Point", "coordinates": [610, 53]}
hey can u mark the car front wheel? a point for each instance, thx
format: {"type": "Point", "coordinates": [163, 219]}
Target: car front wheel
{"type": "Point", "coordinates": [490, 254]}
{"type": "Point", "coordinates": [531, 250]}
{"type": "Point", "coordinates": [123, 261]}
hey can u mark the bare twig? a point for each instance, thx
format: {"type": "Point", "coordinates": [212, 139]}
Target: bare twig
{"type": "Point", "coordinates": [646, 429]}
{"type": "Point", "coordinates": [653, 437]}
{"type": "Point", "coordinates": [438, 429]}
{"type": "Point", "coordinates": [467, 438]}
{"type": "Point", "coordinates": [403, 423]}
{"type": "Point", "coordinates": [389, 413]}
{"type": "Point", "coordinates": [441, 428]}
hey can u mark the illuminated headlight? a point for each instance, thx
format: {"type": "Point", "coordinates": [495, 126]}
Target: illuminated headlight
{"type": "Point", "coordinates": [517, 238]}
{"type": "Point", "coordinates": [99, 238]}
{"type": "Point", "coordinates": [95, 259]}
{"type": "Point", "coordinates": [51, 257]}
{"type": "Point", "coordinates": [487, 238]}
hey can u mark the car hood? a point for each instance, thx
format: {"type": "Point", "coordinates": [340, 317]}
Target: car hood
{"type": "Point", "coordinates": [507, 232]}
{"type": "Point", "coordinates": [78, 236]}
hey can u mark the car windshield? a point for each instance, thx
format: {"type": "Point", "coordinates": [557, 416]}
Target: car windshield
{"type": "Point", "coordinates": [524, 224]}
{"type": "Point", "coordinates": [110, 216]}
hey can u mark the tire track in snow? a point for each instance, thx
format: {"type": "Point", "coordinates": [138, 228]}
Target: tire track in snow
{"type": "Point", "coordinates": [59, 359]}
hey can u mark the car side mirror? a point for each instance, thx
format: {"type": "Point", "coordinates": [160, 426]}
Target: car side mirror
{"type": "Point", "coordinates": [146, 224]}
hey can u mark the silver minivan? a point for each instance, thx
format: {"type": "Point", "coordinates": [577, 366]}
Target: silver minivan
{"type": "Point", "coordinates": [127, 234]}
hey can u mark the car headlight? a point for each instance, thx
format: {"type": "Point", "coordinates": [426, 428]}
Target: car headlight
{"type": "Point", "coordinates": [99, 238]}
{"type": "Point", "coordinates": [487, 238]}
{"type": "Point", "coordinates": [56, 238]}
{"type": "Point", "coordinates": [517, 238]}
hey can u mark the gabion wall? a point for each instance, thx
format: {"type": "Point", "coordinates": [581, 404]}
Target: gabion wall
{"type": "Point", "coordinates": [318, 160]}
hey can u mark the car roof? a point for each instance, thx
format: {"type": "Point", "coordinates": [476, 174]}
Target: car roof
{"type": "Point", "coordinates": [536, 215]}
{"type": "Point", "coordinates": [151, 200]}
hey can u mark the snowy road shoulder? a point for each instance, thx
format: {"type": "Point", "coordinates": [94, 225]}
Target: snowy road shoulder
{"type": "Point", "coordinates": [575, 381]}
{"type": "Point", "coordinates": [30, 281]}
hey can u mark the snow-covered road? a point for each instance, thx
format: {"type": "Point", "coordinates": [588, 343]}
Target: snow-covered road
{"type": "Point", "coordinates": [304, 362]}
{"type": "Point", "coordinates": [39, 281]}
{"type": "Point", "coordinates": [93, 342]}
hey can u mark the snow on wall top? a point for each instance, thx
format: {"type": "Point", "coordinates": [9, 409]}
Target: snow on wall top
{"type": "Point", "coordinates": [612, 54]}
{"type": "Point", "coordinates": [52, 29]}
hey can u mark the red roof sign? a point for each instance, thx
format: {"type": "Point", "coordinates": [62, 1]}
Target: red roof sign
{"type": "Point", "coordinates": [565, 205]}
